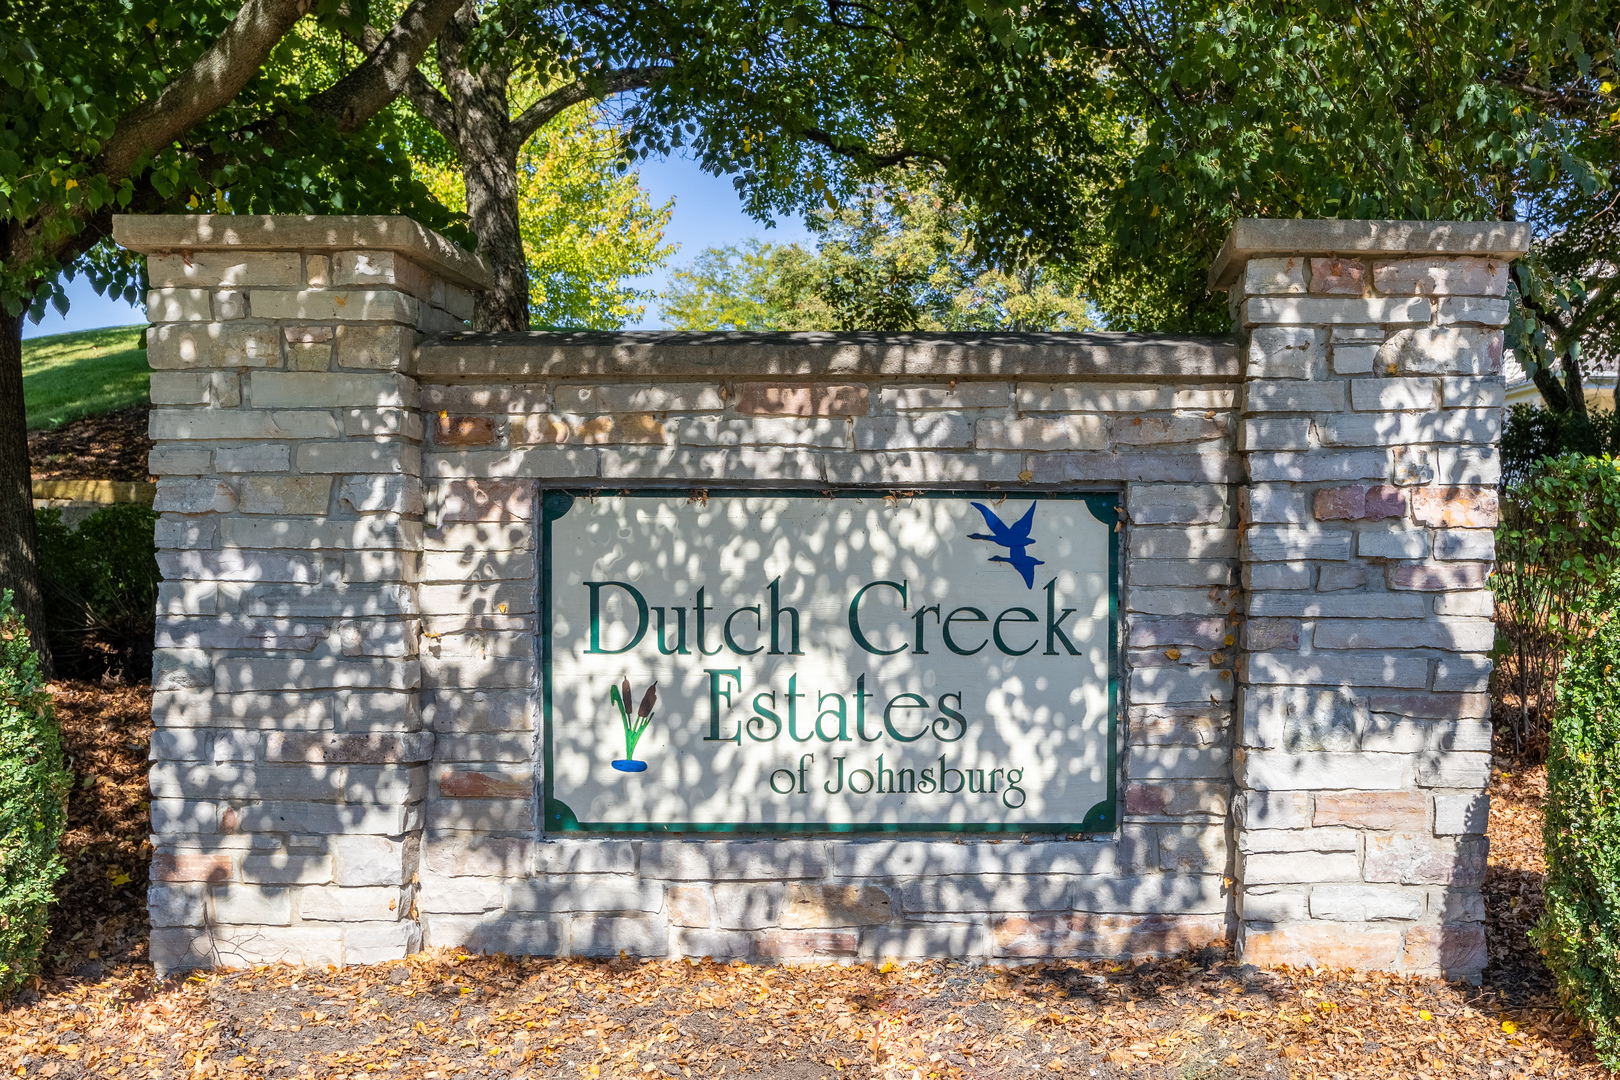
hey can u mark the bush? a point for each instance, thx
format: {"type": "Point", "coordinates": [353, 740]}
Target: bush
{"type": "Point", "coordinates": [1579, 933]}
{"type": "Point", "coordinates": [1558, 562]}
{"type": "Point", "coordinates": [33, 802]}
{"type": "Point", "coordinates": [100, 582]}
{"type": "Point", "coordinates": [1532, 434]}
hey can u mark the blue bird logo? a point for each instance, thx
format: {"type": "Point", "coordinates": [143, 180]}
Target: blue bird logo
{"type": "Point", "coordinates": [1015, 538]}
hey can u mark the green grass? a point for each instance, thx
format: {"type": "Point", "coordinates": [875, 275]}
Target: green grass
{"type": "Point", "coordinates": [66, 376]}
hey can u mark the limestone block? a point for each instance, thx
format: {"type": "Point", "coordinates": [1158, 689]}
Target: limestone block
{"type": "Point", "coordinates": [1176, 504]}
{"type": "Point", "coordinates": [1336, 275]}
{"type": "Point", "coordinates": [1300, 719]}
{"type": "Point", "coordinates": [1165, 430]}
{"type": "Point", "coordinates": [1093, 397]}
{"type": "Point", "coordinates": [1364, 903]}
{"type": "Point", "coordinates": [1468, 674]}
{"type": "Point", "coordinates": [1177, 798]}
{"type": "Point", "coordinates": [516, 937]}
{"type": "Point", "coordinates": [1447, 350]}
{"type": "Point", "coordinates": [1282, 275]}
{"type": "Point", "coordinates": [1192, 849]}
{"type": "Point", "coordinates": [1455, 507]}
{"type": "Point", "coordinates": [1107, 936]}
{"type": "Point", "coordinates": [252, 457]}
{"type": "Point", "coordinates": [668, 397]}
{"type": "Point", "coordinates": [1268, 904]}
{"type": "Point", "coordinates": [1442, 277]}
{"type": "Point", "coordinates": [372, 267]}
{"type": "Point", "coordinates": [332, 904]}
{"type": "Point", "coordinates": [1040, 433]}
{"type": "Point", "coordinates": [205, 268]}
{"type": "Point", "coordinates": [1259, 635]}
{"type": "Point", "coordinates": [1454, 770]}
{"type": "Point", "coordinates": [688, 905]}
{"type": "Point", "coordinates": [1262, 310]}
{"type": "Point", "coordinates": [181, 669]}
{"type": "Point", "coordinates": [1388, 429]}
{"type": "Point", "coordinates": [1339, 606]}
{"type": "Point", "coordinates": [1188, 543]}
{"type": "Point", "coordinates": [1476, 544]}
{"type": "Point", "coordinates": [635, 935]}
{"type": "Point", "coordinates": [585, 892]}
{"type": "Point", "coordinates": [235, 344]}
{"type": "Point", "coordinates": [374, 347]}
{"type": "Point", "coordinates": [372, 860]}
{"type": "Point", "coordinates": [769, 399]}
{"type": "Point", "coordinates": [1455, 949]}
{"type": "Point", "coordinates": [1396, 811]}
{"type": "Point", "coordinates": [232, 947]}
{"type": "Point", "coordinates": [194, 497]}
{"type": "Point", "coordinates": [966, 395]}
{"type": "Point", "coordinates": [1283, 395]}
{"type": "Point", "coordinates": [1094, 466]}
{"type": "Point", "coordinates": [1280, 433]}
{"type": "Point", "coordinates": [1285, 352]}
{"type": "Point", "coordinates": [1266, 577]}
{"type": "Point", "coordinates": [1418, 859]}
{"type": "Point", "coordinates": [184, 817]}
{"type": "Point", "coordinates": [275, 816]}
{"type": "Point", "coordinates": [252, 904]}
{"type": "Point", "coordinates": [917, 940]}
{"type": "Point", "coordinates": [1178, 762]}
{"type": "Point", "coordinates": [1470, 392]}
{"type": "Point", "coordinates": [320, 390]}
{"type": "Point", "coordinates": [1339, 669]}
{"type": "Point", "coordinates": [490, 815]}
{"type": "Point", "coordinates": [1274, 841]}
{"type": "Point", "coordinates": [178, 305]}
{"type": "Point", "coordinates": [381, 494]}
{"type": "Point", "coordinates": [1323, 944]}
{"type": "Point", "coordinates": [283, 869]}
{"type": "Point", "coordinates": [1298, 867]}
{"type": "Point", "coordinates": [897, 467]}
{"type": "Point", "coordinates": [179, 460]}
{"type": "Point", "coordinates": [1335, 578]}
{"type": "Point", "coordinates": [474, 856]}
{"type": "Point", "coordinates": [354, 305]}
{"type": "Point", "coordinates": [1461, 814]}
{"type": "Point", "coordinates": [1389, 395]}
{"type": "Point", "coordinates": [885, 859]}
{"type": "Point", "coordinates": [177, 905]}
{"type": "Point", "coordinates": [926, 431]}
{"type": "Point", "coordinates": [376, 943]}
{"type": "Point", "coordinates": [764, 860]}
{"type": "Point", "coordinates": [1149, 685]}
{"type": "Point", "coordinates": [595, 856]}
{"type": "Point", "coordinates": [1267, 543]}
{"type": "Point", "coordinates": [1354, 359]}
{"type": "Point", "coordinates": [1468, 309]}
{"type": "Point", "coordinates": [1443, 578]}
{"type": "Point", "coordinates": [211, 867]}
{"type": "Point", "coordinates": [224, 425]}
{"type": "Point", "coordinates": [1317, 467]}
{"type": "Point", "coordinates": [377, 456]}
{"type": "Point", "coordinates": [1279, 770]}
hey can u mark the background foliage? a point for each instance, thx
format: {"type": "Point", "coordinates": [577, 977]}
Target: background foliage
{"type": "Point", "coordinates": [101, 583]}
{"type": "Point", "coordinates": [33, 797]}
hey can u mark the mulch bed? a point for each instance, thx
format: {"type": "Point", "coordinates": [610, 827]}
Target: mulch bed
{"type": "Point", "coordinates": [444, 1014]}
{"type": "Point", "coordinates": [111, 446]}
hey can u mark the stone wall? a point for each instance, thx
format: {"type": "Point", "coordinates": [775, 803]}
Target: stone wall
{"type": "Point", "coordinates": [347, 683]}
{"type": "Point", "coordinates": [508, 413]}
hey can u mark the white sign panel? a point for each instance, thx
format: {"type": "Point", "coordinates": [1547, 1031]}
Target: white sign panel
{"type": "Point", "coordinates": [760, 662]}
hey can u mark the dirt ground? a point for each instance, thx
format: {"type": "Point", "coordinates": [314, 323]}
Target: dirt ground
{"type": "Point", "coordinates": [443, 1014]}
{"type": "Point", "coordinates": [111, 446]}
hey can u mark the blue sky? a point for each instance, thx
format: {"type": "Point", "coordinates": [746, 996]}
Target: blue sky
{"type": "Point", "coordinates": [707, 214]}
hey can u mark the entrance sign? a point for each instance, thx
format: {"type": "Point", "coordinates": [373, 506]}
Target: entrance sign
{"type": "Point", "coordinates": [773, 661]}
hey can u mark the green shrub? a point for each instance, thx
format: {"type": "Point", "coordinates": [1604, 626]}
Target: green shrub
{"type": "Point", "coordinates": [1531, 434]}
{"type": "Point", "coordinates": [33, 802]}
{"type": "Point", "coordinates": [1558, 560]}
{"type": "Point", "coordinates": [1580, 931]}
{"type": "Point", "coordinates": [100, 582]}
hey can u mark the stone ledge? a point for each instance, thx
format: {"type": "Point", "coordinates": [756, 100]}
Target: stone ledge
{"type": "Point", "coordinates": [1258, 237]}
{"type": "Point", "coordinates": [815, 355]}
{"type": "Point", "coordinates": [152, 234]}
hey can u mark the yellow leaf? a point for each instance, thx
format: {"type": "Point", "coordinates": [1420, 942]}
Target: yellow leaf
{"type": "Point", "coordinates": [1607, 87]}
{"type": "Point", "coordinates": [71, 184]}
{"type": "Point", "coordinates": [120, 879]}
{"type": "Point", "coordinates": [152, 25]}
{"type": "Point", "coordinates": [1425, 1014]}
{"type": "Point", "coordinates": [1509, 1027]}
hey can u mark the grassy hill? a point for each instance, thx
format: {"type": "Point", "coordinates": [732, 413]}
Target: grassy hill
{"type": "Point", "coordinates": [66, 376]}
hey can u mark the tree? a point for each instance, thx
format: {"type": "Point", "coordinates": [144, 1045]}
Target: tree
{"type": "Point", "coordinates": [790, 97]}
{"type": "Point", "coordinates": [585, 225]}
{"type": "Point", "coordinates": [895, 259]}
{"type": "Point", "coordinates": [145, 107]}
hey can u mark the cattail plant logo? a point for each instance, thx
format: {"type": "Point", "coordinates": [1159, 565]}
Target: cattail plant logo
{"type": "Point", "coordinates": [633, 728]}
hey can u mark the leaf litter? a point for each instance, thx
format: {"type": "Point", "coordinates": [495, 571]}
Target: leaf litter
{"type": "Point", "coordinates": [444, 1014]}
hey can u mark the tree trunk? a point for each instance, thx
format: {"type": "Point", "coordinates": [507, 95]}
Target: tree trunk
{"type": "Point", "coordinates": [492, 212]}
{"type": "Point", "coordinates": [19, 569]}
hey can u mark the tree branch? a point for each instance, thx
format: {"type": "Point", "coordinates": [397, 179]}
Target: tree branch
{"type": "Point", "coordinates": [863, 152]}
{"type": "Point", "coordinates": [543, 111]}
{"type": "Point", "coordinates": [424, 97]}
{"type": "Point", "coordinates": [387, 71]}
{"type": "Point", "coordinates": [212, 80]}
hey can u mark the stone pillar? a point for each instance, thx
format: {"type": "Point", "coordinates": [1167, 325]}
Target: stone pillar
{"type": "Point", "coordinates": [289, 763]}
{"type": "Point", "coordinates": [1370, 413]}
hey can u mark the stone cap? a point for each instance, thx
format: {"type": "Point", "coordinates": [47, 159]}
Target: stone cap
{"type": "Point", "coordinates": [1253, 238]}
{"type": "Point", "coordinates": [707, 355]}
{"type": "Point", "coordinates": [152, 234]}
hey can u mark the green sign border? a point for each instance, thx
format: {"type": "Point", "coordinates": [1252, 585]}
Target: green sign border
{"type": "Point", "coordinates": [558, 817]}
